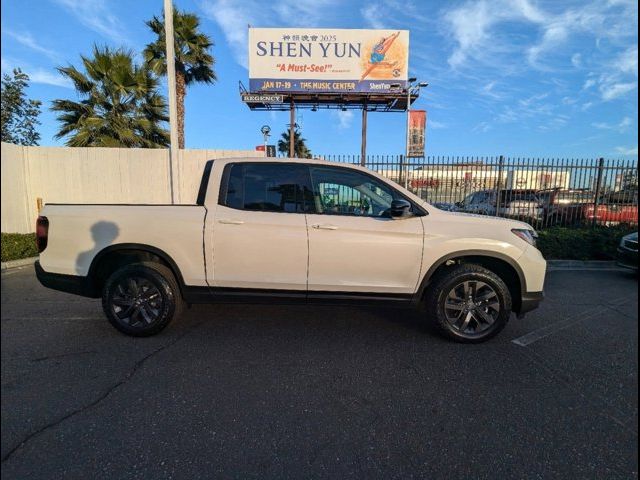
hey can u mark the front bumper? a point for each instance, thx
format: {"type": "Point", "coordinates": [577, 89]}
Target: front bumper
{"type": "Point", "coordinates": [65, 283]}
{"type": "Point", "coordinates": [627, 258]}
{"type": "Point", "coordinates": [530, 301]}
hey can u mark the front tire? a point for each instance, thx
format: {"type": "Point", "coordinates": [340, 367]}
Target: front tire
{"type": "Point", "coordinates": [468, 303]}
{"type": "Point", "coordinates": [141, 299]}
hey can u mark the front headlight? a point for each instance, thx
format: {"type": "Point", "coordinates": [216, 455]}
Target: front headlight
{"type": "Point", "coordinates": [526, 234]}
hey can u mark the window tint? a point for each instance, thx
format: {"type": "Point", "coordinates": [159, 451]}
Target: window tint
{"type": "Point", "coordinates": [269, 187]}
{"type": "Point", "coordinates": [340, 191]}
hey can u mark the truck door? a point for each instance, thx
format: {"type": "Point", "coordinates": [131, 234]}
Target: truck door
{"type": "Point", "coordinates": [354, 245]}
{"type": "Point", "coordinates": [259, 229]}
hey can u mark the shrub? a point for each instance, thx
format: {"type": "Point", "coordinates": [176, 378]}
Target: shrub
{"type": "Point", "coordinates": [18, 245]}
{"type": "Point", "coordinates": [585, 243]}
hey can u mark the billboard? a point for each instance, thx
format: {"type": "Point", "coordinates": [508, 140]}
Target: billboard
{"type": "Point", "coordinates": [417, 126]}
{"type": "Point", "coordinates": [326, 60]}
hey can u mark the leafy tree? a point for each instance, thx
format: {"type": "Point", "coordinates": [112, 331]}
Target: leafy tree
{"type": "Point", "coordinates": [119, 106]}
{"type": "Point", "coordinates": [299, 145]}
{"type": "Point", "coordinates": [19, 113]}
{"type": "Point", "coordinates": [193, 60]}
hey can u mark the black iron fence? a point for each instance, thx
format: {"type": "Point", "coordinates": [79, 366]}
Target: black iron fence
{"type": "Point", "coordinates": [544, 192]}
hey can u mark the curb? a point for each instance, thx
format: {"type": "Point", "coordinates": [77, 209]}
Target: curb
{"type": "Point", "coordinates": [23, 262]}
{"type": "Point", "coordinates": [582, 265]}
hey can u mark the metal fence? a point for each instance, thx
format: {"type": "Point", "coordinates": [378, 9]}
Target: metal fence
{"type": "Point", "coordinates": [541, 191]}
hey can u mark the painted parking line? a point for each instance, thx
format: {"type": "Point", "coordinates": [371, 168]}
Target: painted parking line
{"type": "Point", "coordinates": [544, 332]}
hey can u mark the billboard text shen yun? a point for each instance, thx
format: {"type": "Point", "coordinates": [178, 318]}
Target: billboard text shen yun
{"type": "Point", "coordinates": [324, 60]}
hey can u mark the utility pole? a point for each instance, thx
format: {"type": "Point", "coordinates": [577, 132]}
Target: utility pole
{"type": "Point", "coordinates": [174, 172]}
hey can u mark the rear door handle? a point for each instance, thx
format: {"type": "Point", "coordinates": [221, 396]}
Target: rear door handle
{"type": "Point", "coordinates": [324, 227]}
{"type": "Point", "coordinates": [230, 222]}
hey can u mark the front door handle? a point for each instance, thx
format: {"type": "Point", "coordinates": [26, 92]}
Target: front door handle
{"type": "Point", "coordinates": [230, 222]}
{"type": "Point", "coordinates": [324, 227]}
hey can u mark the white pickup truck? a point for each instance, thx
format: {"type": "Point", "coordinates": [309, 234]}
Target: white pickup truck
{"type": "Point", "coordinates": [292, 230]}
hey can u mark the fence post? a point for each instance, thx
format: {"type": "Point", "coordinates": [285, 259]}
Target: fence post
{"type": "Point", "coordinates": [499, 184]}
{"type": "Point", "coordinates": [596, 200]}
{"type": "Point", "coordinates": [401, 170]}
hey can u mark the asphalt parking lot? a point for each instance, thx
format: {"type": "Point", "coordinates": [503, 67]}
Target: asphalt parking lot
{"type": "Point", "coordinates": [321, 392]}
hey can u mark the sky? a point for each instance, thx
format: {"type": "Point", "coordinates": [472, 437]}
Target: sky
{"type": "Point", "coordinates": [506, 77]}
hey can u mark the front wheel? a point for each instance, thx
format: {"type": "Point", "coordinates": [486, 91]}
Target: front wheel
{"type": "Point", "coordinates": [468, 303]}
{"type": "Point", "coordinates": [141, 299]}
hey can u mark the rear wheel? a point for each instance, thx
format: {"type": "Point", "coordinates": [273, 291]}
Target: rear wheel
{"type": "Point", "coordinates": [141, 299]}
{"type": "Point", "coordinates": [468, 303]}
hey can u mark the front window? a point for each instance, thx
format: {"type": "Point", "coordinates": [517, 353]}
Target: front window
{"type": "Point", "coordinates": [340, 191]}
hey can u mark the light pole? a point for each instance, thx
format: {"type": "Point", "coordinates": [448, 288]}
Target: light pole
{"type": "Point", "coordinates": [412, 87]}
{"type": "Point", "coordinates": [174, 172]}
{"type": "Point", "coordinates": [266, 129]}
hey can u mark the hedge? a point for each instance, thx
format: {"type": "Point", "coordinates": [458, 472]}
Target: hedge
{"type": "Point", "coordinates": [18, 245]}
{"type": "Point", "coordinates": [585, 243]}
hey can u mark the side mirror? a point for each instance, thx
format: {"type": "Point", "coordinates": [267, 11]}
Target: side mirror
{"type": "Point", "coordinates": [399, 208]}
{"type": "Point", "coordinates": [459, 204]}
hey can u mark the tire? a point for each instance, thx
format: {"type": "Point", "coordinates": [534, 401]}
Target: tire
{"type": "Point", "coordinates": [448, 306]}
{"type": "Point", "coordinates": [141, 299]}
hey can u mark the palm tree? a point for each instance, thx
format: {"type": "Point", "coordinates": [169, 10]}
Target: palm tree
{"type": "Point", "coordinates": [119, 104]}
{"type": "Point", "coordinates": [193, 61]}
{"type": "Point", "coordinates": [300, 148]}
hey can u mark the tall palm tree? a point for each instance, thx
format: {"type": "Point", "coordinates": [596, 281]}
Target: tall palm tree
{"type": "Point", "coordinates": [300, 148]}
{"type": "Point", "coordinates": [119, 106]}
{"type": "Point", "coordinates": [193, 61]}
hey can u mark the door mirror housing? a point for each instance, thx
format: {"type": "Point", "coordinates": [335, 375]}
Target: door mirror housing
{"type": "Point", "coordinates": [400, 208]}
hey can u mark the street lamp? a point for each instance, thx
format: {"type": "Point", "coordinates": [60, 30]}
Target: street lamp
{"type": "Point", "coordinates": [265, 130]}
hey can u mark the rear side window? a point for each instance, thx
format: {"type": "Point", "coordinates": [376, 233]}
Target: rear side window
{"type": "Point", "coordinates": [268, 187]}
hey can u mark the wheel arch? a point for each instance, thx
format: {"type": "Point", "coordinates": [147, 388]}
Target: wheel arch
{"type": "Point", "coordinates": [502, 265]}
{"type": "Point", "coordinates": [115, 256]}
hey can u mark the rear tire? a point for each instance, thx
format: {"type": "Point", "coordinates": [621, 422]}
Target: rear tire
{"type": "Point", "coordinates": [468, 303]}
{"type": "Point", "coordinates": [141, 299]}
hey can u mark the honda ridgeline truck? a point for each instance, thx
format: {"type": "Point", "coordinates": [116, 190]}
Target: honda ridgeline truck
{"type": "Point", "coordinates": [292, 230]}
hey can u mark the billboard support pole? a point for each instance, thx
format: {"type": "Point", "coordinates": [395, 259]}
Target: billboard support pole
{"type": "Point", "coordinates": [292, 123]}
{"type": "Point", "coordinates": [363, 145]}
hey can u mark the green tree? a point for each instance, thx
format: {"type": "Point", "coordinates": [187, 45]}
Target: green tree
{"type": "Point", "coordinates": [193, 60]}
{"type": "Point", "coordinates": [19, 114]}
{"type": "Point", "coordinates": [299, 145]}
{"type": "Point", "coordinates": [119, 104]}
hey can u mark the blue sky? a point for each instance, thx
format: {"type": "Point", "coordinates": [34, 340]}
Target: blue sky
{"type": "Point", "coordinates": [513, 77]}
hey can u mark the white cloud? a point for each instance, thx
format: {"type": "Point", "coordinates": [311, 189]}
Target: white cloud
{"type": "Point", "coordinates": [36, 74]}
{"type": "Point", "coordinates": [436, 125]}
{"type": "Point", "coordinates": [234, 17]}
{"type": "Point", "coordinates": [482, 127]}
{"type": "Point", "coordinates": [611, 91]}
{"type": "Point", "coordinates": [371, 15]}
{"type": "Point", "coordinates": [471, 25]}
{"type": "Point", "coordinates": [627, 150]}
{"type": "Point", "coordinates": [25, 38]}
{"type": "Point", "coordinates": [345, 118]}
{"type": "Point", "coordinates": [97, 15]}
{"type": "Point", "coordinates": [576, 60]}
{"type": "Point", "coordinates": [621, 126]}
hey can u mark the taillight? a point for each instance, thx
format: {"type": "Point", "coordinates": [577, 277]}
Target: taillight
{"type": "Point", "coordinates": [42, 233]}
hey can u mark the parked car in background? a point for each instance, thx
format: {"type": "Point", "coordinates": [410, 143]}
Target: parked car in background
{"type": "Point", "coordinates": [628, 251]}
{"type": "Point", "coordinates": [447, 207]}
{"type": "Point", "coordinates": [292, 230]}
{"type": "Point", "coordinates": [518, 204]}
{"type": "Point", "coordinates": [564, 206]}
{"type": "Point", "coordinates": [614, 208]}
